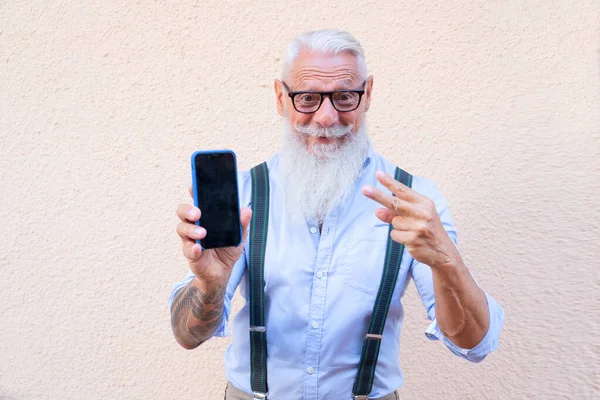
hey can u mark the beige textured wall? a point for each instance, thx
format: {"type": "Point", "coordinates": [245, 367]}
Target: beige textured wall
{"type": "Point", "coordinates": [102, 102]}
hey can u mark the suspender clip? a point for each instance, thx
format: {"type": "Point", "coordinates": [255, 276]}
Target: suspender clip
{"type": "Point", "coordinates": [373, 336]}
{"type": "Point", "coordinates": [260, 396]}
{"type": "Point", "coordinates": [257, 328]}
{"type": "Point", "coordinates": [360, 396]}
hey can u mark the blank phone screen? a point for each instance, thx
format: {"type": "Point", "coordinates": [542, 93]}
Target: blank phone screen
{"type": "Point", "coordinates": [216, 185]}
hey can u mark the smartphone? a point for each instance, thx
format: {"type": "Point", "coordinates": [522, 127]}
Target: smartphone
{"type": "Point", "coordinates": [215, 186]}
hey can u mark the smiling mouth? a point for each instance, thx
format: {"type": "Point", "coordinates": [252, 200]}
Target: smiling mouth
{"type": "Point", "coordinates": [323, 140]}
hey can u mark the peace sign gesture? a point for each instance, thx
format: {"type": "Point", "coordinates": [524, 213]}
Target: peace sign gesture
{"type": "Point", "coordinates": [415, 220]}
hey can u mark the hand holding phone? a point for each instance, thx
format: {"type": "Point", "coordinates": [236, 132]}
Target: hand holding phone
{"type": "Point", "coordinates": [212, 263]}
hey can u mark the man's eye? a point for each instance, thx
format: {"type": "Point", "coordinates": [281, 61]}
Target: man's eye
{"type": "Point", "coordinates": [307, 98]}
{"type": "Point", "coordinates": [346, 97]}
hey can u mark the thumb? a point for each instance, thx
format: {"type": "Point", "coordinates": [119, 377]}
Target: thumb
{"type": "Point", "coordinates": [245, 217]}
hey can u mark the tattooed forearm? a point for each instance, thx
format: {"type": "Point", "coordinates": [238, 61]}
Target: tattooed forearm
{"type": "Point", "coordinates": [195, 314]}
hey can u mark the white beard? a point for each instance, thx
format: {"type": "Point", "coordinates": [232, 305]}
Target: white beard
{"type": "Point", "coordinates": [317, 181]}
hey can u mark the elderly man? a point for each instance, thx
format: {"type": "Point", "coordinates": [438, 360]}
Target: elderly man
{"type": "Point", "coordinates": [336, 213]}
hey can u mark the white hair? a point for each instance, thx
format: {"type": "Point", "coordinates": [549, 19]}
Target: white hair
{"type": "Point", "coordinates": [328, 42]}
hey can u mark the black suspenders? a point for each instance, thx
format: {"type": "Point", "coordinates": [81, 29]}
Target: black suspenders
{"type": "Point", "coordinates": [258, 341]}
{"type": "Point", "coordinates": [370, 351]}
{"type": "Point", "coordinates": [258, 244]}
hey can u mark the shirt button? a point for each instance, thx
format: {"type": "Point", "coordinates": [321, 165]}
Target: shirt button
{"type": "Point", "coordinates": [319, 274]}
{"type": "Point", "coordinates": [310, 370]}
{"type": "Point", "coordinates": [315, 325]}
{"type": "Point", "coordinates": [313, 230]}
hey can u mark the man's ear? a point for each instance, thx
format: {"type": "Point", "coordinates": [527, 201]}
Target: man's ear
{"type": "Point", "coordinates": [280, 97]}
{"type": "Point", "coordinates": [368, 91]}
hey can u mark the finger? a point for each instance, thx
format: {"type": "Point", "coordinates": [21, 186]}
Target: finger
{"type": "Point", "coordinates": [245, 217]}
{"type": "Point", "coordinates": [385, 215]}
{"type": "Point", "coordinates": [191, 191]}
{"type": "Point", "coordinates": [393, 203]}
{"type": "Point", "coordinates": [403, 237]}
{"type": "Point", "coordinates": [398, 188]}
{"type": "Point", "coordinates": [403, 223]}
{"type": "Point", "coordinates": [192, 251]}
{"type": "Point", "coordinates": [191, 232]}
{"type": "Point", "coordinates": [188, 213]}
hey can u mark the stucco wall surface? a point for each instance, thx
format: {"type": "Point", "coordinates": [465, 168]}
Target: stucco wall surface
{"type": "Point", "coordinates": [102, 103]}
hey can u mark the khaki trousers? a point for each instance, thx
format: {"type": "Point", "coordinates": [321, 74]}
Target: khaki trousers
{"type": "Point", "coordinates": [233, 393]}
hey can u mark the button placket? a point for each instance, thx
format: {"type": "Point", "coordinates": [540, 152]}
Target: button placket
{"type": "Point", "coordinates": [323, 239]}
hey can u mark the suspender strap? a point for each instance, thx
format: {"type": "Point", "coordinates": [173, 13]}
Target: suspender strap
{"type": "Point", "coordinates": [370, 351]}
{"type": "Point", "coordinates": [257, 246]}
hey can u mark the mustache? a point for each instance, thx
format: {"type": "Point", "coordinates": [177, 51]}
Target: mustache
{"type": "Point", "coordinates": [332, 132]}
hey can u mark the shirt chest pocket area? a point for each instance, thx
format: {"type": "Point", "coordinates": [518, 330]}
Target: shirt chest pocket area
{"type": "Point", "coordinates": [363, 264]}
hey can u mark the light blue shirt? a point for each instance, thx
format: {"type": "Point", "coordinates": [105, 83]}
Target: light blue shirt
{"type": "Point", "coordinates": [320, 287]}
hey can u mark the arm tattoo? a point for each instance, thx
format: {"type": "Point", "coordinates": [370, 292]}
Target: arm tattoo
{"type": "Point", "coordinates": [196, 306]}
{"type": "Point", "coordinates": [205, 308]}
{"type": "Point", "coordinates": [211, 315]}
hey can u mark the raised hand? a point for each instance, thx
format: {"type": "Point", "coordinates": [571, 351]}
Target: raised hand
{"type": "Point", "coordinates": [415, 220]}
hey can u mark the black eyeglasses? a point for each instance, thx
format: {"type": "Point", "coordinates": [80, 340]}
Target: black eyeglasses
{"type": "Point", "coordinates": [310, 101]}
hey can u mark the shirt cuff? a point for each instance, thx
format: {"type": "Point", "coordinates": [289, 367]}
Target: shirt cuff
{"type": "Point", "coordinates": [489, 342]}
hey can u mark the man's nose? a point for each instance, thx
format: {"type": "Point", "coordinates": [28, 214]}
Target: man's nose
{"type": "Point", "coordinates": [326, 116]}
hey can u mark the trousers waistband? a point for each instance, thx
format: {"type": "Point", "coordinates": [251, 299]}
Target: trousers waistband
{"type": "Point", "coordinates": [233, 393]}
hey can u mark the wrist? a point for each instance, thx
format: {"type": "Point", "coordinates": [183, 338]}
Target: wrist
{"type": "Point", "coordinates": [208, 285]}
{"type": "Point", "coordinates": [450, 273]}
{"type": "Point", "coordinates": [447, 257]}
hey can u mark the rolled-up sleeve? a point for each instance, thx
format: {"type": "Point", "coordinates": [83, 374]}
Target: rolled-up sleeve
{"type": "Point", "coordinates": [489, 342]}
